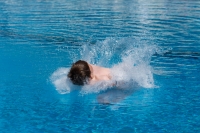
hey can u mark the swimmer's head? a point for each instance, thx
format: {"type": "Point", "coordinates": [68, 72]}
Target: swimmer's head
{"type": "Point", "coordinates": [79, 73]}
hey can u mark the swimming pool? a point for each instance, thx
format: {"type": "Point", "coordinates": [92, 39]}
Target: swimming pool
{"type": "Point", "coordinates": [38, 37]}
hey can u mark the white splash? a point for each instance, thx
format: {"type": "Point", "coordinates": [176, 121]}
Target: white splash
{"type": "Point", "coordinates": [128, 59]}
{"type": "Point", "coordinates": [60, 80]}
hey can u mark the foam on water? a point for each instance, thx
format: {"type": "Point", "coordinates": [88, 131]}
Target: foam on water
{"type": "Point", "coordinates": [60, 80]}
{"type": "Point", "coordinates": [128, 59]}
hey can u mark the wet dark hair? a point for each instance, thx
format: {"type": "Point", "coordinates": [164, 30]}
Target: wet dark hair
{"type": "Point", "coordinates": [79, 73]}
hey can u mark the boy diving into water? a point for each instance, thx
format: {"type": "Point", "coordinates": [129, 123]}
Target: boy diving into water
{"type": "Point", "coordinates": [94, 79]}
{"type": "Point", "coordinates": [82, 73]}
{"type": "Point", "coordinates": [132, 72]}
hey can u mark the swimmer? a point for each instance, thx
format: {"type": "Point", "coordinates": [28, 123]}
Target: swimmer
{"type": "Point", "coordinates": [82, 73]}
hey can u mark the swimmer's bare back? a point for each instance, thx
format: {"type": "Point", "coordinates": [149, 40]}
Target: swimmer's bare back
{"type": "Point", "coordinates": [99, 73]}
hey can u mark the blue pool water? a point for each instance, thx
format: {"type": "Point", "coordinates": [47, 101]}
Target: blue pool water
{"type": "Point", "coordinates": [39, 37]}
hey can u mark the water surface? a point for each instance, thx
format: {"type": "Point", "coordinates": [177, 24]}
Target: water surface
{"type": "Point", "coordinates": [38, 37]}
